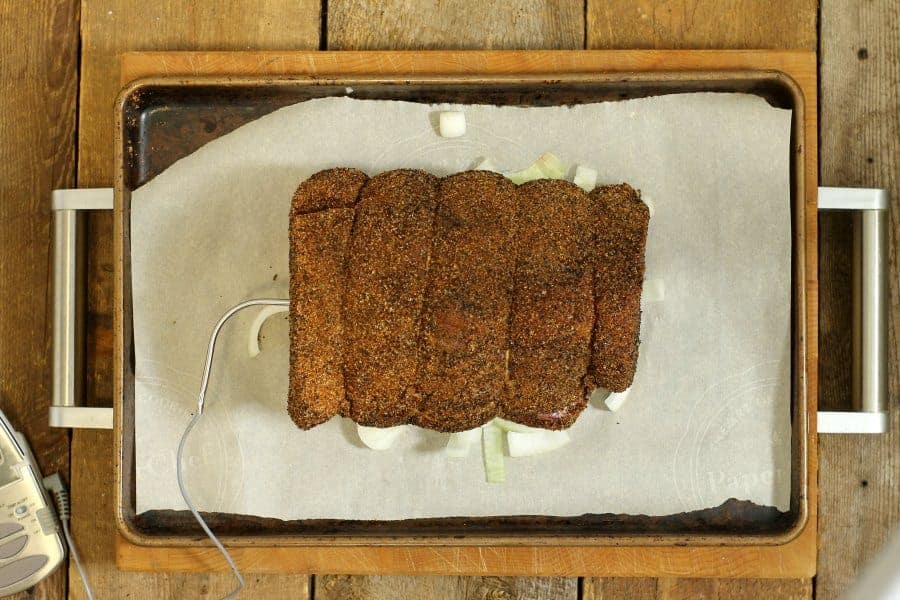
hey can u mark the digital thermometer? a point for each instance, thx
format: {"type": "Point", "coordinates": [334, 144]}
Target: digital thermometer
{"type": "Point", "coordinates": [31, 542]}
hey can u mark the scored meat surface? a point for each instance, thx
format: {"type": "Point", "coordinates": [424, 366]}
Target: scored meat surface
{"type": "Point", "coordinates": [464, 321]}
{"type": "Point", "coordinates": [621, 226]}
{"type": "Point", "coordinates": [552, 306]}
{"type": "Point", "coordinates": [321, 218]}
{"type": "Point", "coordinates": [387, 270]}
{"type": "Point", "coordinates": [446, 302]}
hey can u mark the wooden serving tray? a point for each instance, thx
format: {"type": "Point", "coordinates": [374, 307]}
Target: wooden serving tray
{"type": "Point", "coordinates": [790, 553]}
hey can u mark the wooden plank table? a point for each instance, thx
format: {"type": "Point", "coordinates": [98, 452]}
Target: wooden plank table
{"type": "Point", "coordinates": [860, 146]}
{"type": "Point", "coordinates": [38, 88]}
{"type": "Point", "coordinates": [109, 27]}
{"type": "Point", "coordinates": [860, 71]}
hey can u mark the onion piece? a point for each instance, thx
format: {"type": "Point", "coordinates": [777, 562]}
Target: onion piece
{"type": "Point", "coordinates": [492, 450]}
{"type": "Point", "coordinates": [379, 438]}
{"type": "Point", "coordinates": [485, 164]}
{"type": "Point", "coordinates": [598, 397]}
{"type": "Point", "coordinates": [551, 166]}
{"type": "Point", "coordinates": [529, 444]}
{"type": "Point", "coordinates": [460, 442]}
{"type": "Point", "coordinates": [616, 400]}
{"type": "Point", "coordinates": [547, 166]}
{"type": "Point", "coordinates": [452, 124]}
{"type": "Point", "coordinates": [525, 175]}
{"type": "Point", "coordinates": [517, 427]}
{"type": "Point", "coordinates": [261, 317]}
{"type": "Point", "coordinates": [585, 178]}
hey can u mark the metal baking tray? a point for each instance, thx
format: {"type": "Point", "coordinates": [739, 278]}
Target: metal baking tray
{"type": "Point", "coordinates": [159, 121]}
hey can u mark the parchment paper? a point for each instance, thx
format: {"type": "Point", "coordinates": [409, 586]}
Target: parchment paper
{"type": "Point", "coordinates": [708, 415]}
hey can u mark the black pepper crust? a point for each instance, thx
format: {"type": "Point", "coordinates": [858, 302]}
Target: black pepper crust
{"type": "Point", "coordinates": [446, 302]}
{"type": "Point", "coordinates": [621, 222]}
{"type": "Point", "coordinates": [463, 348]}
{"type": "Point", "coordinates": [318, 248]}
{"type": "Point", "coordinates": [552, 307]}
{"type": "Point", "coordinates": [386, 274]}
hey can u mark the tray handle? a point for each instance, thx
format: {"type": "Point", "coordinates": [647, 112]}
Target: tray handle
{"type": "Point", "coordinates": [869, 366]}
{"type": "Point", "coordinates": [869, 208]}
{"type": "Point", "coordinates": [68, 324]}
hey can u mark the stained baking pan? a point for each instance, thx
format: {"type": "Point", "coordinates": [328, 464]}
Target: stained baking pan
{"type": "Point", "coordinates": [162, 120]}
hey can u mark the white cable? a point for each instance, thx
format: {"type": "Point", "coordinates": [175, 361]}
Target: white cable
{"type": "Point", "coordinates": [57, 488]}
{"type": "Point", "coordinates": [193, 509]}
{"type": "Point", "coordinates": [73, 551]}
{"type": "Point", "coordinates": [196, 418]}
{"type": "Point", "coordinates": [215, 334]}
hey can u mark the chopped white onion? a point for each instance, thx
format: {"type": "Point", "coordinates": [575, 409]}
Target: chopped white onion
{"type": "Point", "coordinates": [551, 166]}
{"type": "Point", "coordinates": [261, 317]}
{"type": "Point", "coordinates": [650, 208]}
{"type": "Point", "coordinates": [585, 178]}
{"type": "Point", "coordinates": [460, 442]}
{"type": "Point", "coordinates": [529, 444]}
{"type": "Point", "coordinates": [485, 164]}
{"type": "Point", "coordinates": [492, 449]}
{"type": "Point", "coordinates": [615, 400]}
{"type": "Point", "coordinates": [547, 166]}
{"type": "Point", "coordinates": [654, 290]}
{"type": "Point", "coordinates": [612, 400]}
{"type": "Point", "coordinates": [452, 124]}
{"type": "Point", "coordinates": [517, 427]}
{"type": "Point", "coordinates": [525, 175]}
{"type": "Point", "coordinates": [379, 438]}
{"type": "Point", "coordinates": [598, 397]}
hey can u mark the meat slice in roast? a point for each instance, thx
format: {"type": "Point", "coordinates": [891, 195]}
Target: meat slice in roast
{"type": "Point", "coordinates": [321, 218]}
{"type": "Point", "coordinates": [621, 221]}
{"type": "Point", "coordinates": [386, 275]}
{"type": "Point", "coordinates": [464, 321]}
{"type": "Point", "coordinates": [552, 306]}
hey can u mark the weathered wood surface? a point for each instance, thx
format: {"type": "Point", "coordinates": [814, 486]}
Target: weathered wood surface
{"type": "Point", "coordinates": [109, 28]}
{"type": "Point", "coordinates": [860, 137]}
{"type": "Point", "coordinates": [38, 95]}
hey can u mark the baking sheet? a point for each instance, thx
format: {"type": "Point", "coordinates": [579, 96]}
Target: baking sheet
{"type": "Point", "coordinates": [708, 415]}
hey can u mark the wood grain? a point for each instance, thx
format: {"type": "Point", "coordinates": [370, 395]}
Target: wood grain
{"type": "Point", "coordinates": [700, 24]}
{"type": "Point", "coordinates": [860, 476]}
{"type": "Point", "coordinates": [38, 92]}
{"type": "Point", "coordinates": [695, 589]}
{"type": "Point", "coordinates": [799, 65]}
{"type": "Point", "coordinates": [108, 28]}
{"type": "Point", "coordinates": [846, 32]}
{"type": "Point", "coordinates": [795, 559]}
{"type": "Point", "coordinates": [379, 587]}
{"type": "Point", "coordinates": [454, 24]}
